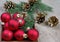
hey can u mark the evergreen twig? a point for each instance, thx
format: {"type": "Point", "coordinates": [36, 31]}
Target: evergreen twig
{"type": "Point", "coordinates": [30, 19]}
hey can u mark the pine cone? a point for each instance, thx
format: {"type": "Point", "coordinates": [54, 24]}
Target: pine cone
{"type": "Point", "coordinates": [40, 18]}
{"type": "Point", "coordinates": [26, 6]}
{"type": "Point", "coordinates": [24, 14]}
{"type": "Point", "coordinates": [53, 21]}
{"type": "Point", "coordinates": [9, 5]}
{"type": "Point", "coordinates": [31, 2]}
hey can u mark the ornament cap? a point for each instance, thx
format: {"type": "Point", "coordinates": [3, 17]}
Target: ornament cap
{"type": "Point", "coordinates": [28, 28]}
{"type": "Point", "coordinates": [25, 36]}
{"type": "Point", "coordinates": [18, 15]}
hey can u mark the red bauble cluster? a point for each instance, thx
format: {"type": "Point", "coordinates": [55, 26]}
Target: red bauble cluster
{"type": "Point", "coordinates": [11, 28]}
{"type": "Point", "coordinates": [12, 23]}
{"type": "Point", "coordinates": [19, 19]}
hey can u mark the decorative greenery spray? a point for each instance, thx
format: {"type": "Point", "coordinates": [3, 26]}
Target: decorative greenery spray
{"type": "Point", "coordinates": [32, 6]}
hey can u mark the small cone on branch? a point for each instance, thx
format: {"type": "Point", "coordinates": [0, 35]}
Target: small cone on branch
{"type": "Point", "coordinates": [26, 6]}
{"type": "Point", "coordinates": [24, 14]}
{"type": "Point", "coordinates": [32, 2]}
{"type": "Point", "coordinates": [9, 5]}
{"type": "Point", "coordinates": [53, 21]}
{"type": "Point", "coordinates": [40, 18]}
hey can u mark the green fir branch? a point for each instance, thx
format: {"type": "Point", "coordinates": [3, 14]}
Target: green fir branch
{"type": "Point", "coordinates": [30, 19]}
{"type": "Point", "coordinates": [43, 7]}
{"type": "Point", "coordinates": [29, 23]}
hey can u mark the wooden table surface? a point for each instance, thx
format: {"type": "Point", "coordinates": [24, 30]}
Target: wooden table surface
{"type": "Point", "coordinates": [19, 41]}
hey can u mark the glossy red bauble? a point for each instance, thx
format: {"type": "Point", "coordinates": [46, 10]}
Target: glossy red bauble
{"type": "Point", "coordinates": [7, 35]}
{"type": "Point", "coordinates": [19, 35]}
{"type": "Point", "coordinates": [21, 21]}
{"type": "Point", "coordinates": [6, 26]}
{"type": "Point", "coordinates": [5, 17]}
{"type": "Point", "coordinates": [11, 25]}
{"type": "Point", "coordinates": [16, 15]}
{"type": "Point", "coordinates": [33, 34]}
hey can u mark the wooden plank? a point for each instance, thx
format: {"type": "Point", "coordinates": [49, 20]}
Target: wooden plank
{"type": "Point", "coordinates": [21, 41]}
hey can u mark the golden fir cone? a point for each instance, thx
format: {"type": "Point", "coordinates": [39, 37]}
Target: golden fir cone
{"type": "Point", "coordinates": [26, 6]}
{"type": "Point", "coordinates": [9, 5]}
{"type": "Point", "coordinates": [31, 2]}
{"type": "Point", "coordinates": [40, 18]}
{"type": "Point", "coordinates": [53, 21]}
{"type": "Point", "coordinates": [24, 14]}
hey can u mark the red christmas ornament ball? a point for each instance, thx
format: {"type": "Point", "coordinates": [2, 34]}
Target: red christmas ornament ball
{"type": "Point", "coordinates": [11, 25]}
{"type": "Point", "coordinates": [16, 15]}
{"type": "Point", "coordinates": [33, 34]}
{"type": "Point", "coordinates": [5, 17]}
{"type": "Point", "coordinates": [21, 21]}
{"type": "Point", "coordinates": [7, 35]}
{"type": "Point", "coordinates": [6, 26]}
{"type": "Point", "coordinates": [19, 35]}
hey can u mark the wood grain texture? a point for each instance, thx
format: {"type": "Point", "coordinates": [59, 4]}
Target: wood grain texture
{"type": "Point", "coordinates": [20, 41]}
